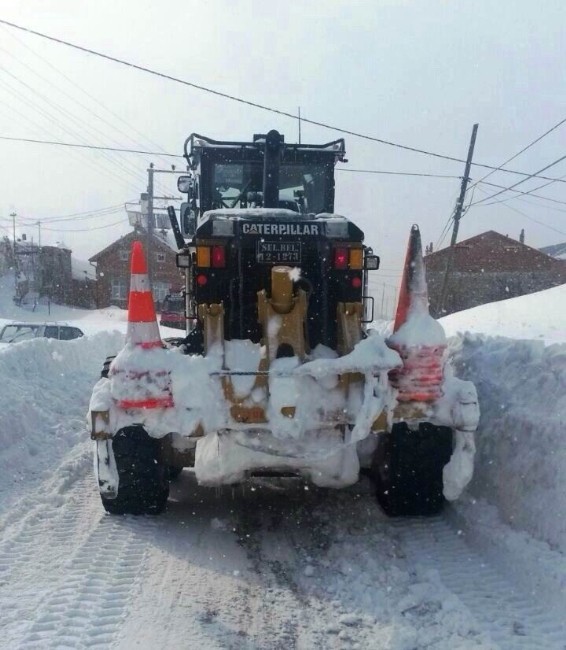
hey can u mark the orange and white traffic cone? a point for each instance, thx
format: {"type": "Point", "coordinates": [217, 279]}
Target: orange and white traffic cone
{"type": "Point", "coordinates": [139, 388]}
{"type": "Point", "coordinates": [143, 329]}
{"type": "Point", "coordinates": [417, 337]}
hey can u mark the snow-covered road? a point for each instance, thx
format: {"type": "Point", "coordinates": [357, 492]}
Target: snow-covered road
{"type": "Point", "coordinates": [279, 564]}
{"type": "Point", "coordinates": [275, 564]}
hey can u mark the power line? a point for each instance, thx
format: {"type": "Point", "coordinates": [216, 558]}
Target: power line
{"type": "Point", "coordinates": [98, 102]}
{"type": "Point", "coordinates": [222, 94]}
{"type": "Point", "coordinates": [358, 171]}
{"type": "Point", "coordinates": [89, 146]}
{"type": "Point", "coordinates": [247, 102]}
{"type": "Point", "coordinates": [101, 212]}
{"type": "Point", "coordinates": [151, 153]}
{"type": "Point", "coordinates": [553, 128]}
{"type": "Point", "coordinates": [84, 125]}
{"type": "Point", "coordinates": [540, 223]}
{"type": "Point", "coordinates": [68, 128]}
{"type": "Point", "coordinates": [53, 120]}
{"type": "Point", "coordinates": [533, 175]}
{"type": "Point", "coordinates": [339, 169]}
{"type": "Point", "coordinates": [110, 225]}
{"type": "Point", "coordinates": [530, 193]}
{"type": "Point", "coordinates": [394, 173]}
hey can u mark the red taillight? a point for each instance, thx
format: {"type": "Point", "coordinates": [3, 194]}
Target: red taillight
{"type": "Point", "coordinates": [201, 280]}
{"type": "Point", "coordinates": [341, 258]}
{"type": "Point", "coordinates": [356, 283]}
{"type": "Point", "coordinates": [218, 257]}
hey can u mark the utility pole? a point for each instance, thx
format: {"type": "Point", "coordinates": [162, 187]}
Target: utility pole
{"type": "Point", "coordinates": [299, 125]}
{"type": "Point", "coordinates": [149, 246]}
{"type": "Point", "coordinates": [457, 216]}
{"type": "Point", "coordinates": [39, 234]}
{"type": "Point", "coordinates": [13, 215]}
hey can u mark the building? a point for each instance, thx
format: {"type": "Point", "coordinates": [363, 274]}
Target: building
{"type": "Point", "coordinates": [113, 268]}
{"type": "Point", "coordinates": [555, 250]}
{"type": "Point", "coordinates": [6, 255]}
{"type": "Point", "coordinates": [54, 273]}
{"type": "Point", "coordinates": [83, 284]}
{"type": "Point", "coordinates": [487, 268]}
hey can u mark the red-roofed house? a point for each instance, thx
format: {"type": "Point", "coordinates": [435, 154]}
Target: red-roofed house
{"type": "Point", "coordinates": [487, 268]}
{"type": "Point", "coordinates": [113, 268]}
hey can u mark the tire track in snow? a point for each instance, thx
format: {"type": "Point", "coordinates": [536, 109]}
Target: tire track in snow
{"type": "Point", "coordinates": [284, 535]}
{"type": "Point", "coordinates": [215, 581]}
{"type": "Point", "coordinates": [88, 607]}
{"type": "Point", "coordinates": [510, 616]}
{"type": "Point", "coordinates": [35, 548]}
{"type": "Point", "coordinates": [41, 532]}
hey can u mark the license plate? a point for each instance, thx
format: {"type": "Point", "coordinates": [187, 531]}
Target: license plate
{"type": "Point", "coordinates": [277, 252]}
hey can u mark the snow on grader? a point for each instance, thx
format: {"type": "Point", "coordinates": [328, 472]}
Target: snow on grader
{"type": "Point", "coordinates": [279, 372]}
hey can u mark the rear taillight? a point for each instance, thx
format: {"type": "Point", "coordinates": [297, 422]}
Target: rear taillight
{"type": "Point", "coordinates": [203, 256]}
{"type": "Point", "coordinates": [346, 257]}
{"type": "Point", "coordinates": [341, 258]}
{"type": "Point", "coordinates": [218, 257]}
{"type": "Point", "coordinates": [356, 258]}
{"type": "Point", "coordinates": [211, 256]}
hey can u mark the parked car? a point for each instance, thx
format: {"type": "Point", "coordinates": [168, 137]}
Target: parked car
{"type": "Point", "coordinates": [173, 311]}
{"type": "Point", "coordinates": [16, 332]}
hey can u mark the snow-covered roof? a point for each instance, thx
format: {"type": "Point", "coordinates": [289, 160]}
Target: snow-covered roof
{"type": "Point", "coordinates": [555, 250]}
{"type": "Point", "coordinates": [81, 269]}
{"type": "Point", "coordinates": [166, 237]}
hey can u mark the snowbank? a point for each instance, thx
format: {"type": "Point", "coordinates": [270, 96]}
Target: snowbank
{"type": "Point", "coordinates": [521, 451]}
{"type": "Point", "coordinates": [537, 316]}
{"type": "Point", "coordinates": [46, 386]}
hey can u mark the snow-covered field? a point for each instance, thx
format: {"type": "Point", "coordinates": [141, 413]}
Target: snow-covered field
{"type": "Point", "coordinates": [282, 564]}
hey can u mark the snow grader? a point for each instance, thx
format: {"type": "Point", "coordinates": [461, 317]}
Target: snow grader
{"type": "Point", "coordinates": [279, 371]}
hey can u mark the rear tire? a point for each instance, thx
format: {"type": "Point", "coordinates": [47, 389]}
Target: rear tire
{"type": "Point", "coordinates": [106, 367]}
{"type": "Point", "coordinates": [173, 472]}
{"type": "Point", "coordinates": [143, 486]}
{"type": "Point", "coordinates": [408, 468]}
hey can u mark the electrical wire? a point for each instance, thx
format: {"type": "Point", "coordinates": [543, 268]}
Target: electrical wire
{"type": "Point", "coordinates": [110, 225]}
{"type": "Point", "coordinates": [80, 217]}
{"type": "Point", "coordinates": [553, 128]}
{"type": "Point", "coordinates": [53, 120]}
{"type": "Point", "coordinates": [444, 232]}
{"type": "Point", "coordinates": [395, 173]}
{"type": "Point", "coordinates": [540, 223]}
{"type": "Point", "coordinates": [247, 102]}
{"type": "Point", "coordinates": [520, 192]}
{"type": "Point", "coordinates": [530, 193]}
{"type": "Point", "coordinates": [125, 167]}
{"type": "Point", "coordinates": [99, 104]}
{"type": "Point", "coordinates": [83, 125]}
{"type": "Point", "coordinates": [88, 146]}
{"type": "Point", "coordinates": [534, 175]}
{"type": "Point", "coordinates": [137, 151]}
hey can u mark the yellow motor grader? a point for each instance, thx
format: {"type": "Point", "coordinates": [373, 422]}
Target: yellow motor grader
{"type": "Point", "coordinates": [279, 371]}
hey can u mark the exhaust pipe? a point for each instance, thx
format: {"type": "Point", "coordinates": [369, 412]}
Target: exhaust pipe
{"type": "Point", "coordinates": [271, 161]}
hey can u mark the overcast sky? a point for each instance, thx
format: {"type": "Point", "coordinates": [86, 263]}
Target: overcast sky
{"type": "Point", "coordinates": [418, 73]}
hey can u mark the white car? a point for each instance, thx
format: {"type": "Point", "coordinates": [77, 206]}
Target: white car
{"type": "Point", "coordinates": [16, 332]}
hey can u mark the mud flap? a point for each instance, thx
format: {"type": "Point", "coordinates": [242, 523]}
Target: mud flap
{"type": "Point", "coordinates": [458, 472]}
{"type": "Point", "coordinates": [105, 469]}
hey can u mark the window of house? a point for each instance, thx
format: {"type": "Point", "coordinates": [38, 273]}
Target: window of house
{"type": "Point", "coordinates": [124, 255]}
{"type": "Point", "coordinates": [160, 257]}
{"type": "Point", "coordinates": [160, 290]}
{"type": "Point", "coordinates": [118, 289]}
